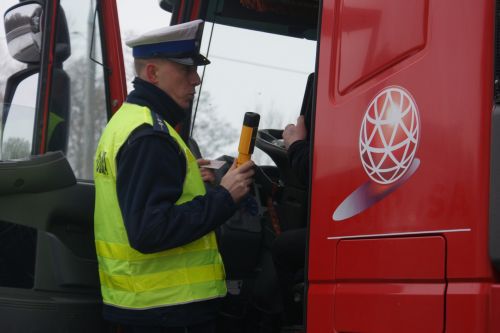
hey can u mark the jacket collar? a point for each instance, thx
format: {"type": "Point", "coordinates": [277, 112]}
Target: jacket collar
{"type": "Point", "coordinates": [148, 95]}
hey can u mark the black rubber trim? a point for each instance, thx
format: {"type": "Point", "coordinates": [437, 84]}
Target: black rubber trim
{"type": "Point", "coordinates": [494, 234]}
{"type": "Point", "coordinates": [497, 52]}
{"type": "Point", "coordinates": [312, 125]}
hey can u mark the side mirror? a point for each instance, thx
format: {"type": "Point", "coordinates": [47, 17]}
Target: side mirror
{"type": "Point", "coordinates": [168, 5]}
{"type": "Point", "coordinates": [23, 30]}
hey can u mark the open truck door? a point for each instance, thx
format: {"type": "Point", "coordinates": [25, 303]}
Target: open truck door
{"type": "Point", "coordinates": [56, 93]}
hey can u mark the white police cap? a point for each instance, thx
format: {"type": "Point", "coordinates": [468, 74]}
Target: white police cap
{"type": "Point", "coordinates": [179, 43]}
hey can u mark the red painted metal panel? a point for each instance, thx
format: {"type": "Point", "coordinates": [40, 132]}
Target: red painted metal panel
{"type": "Point", "coordinates": [389, 307]}
{"type": "Point", "coordinates": [114, 55]}
{"type": "Point", "coordinates": [384, 285]}
{"type": "Point", "coordinates": [195, 11]}
{"type": "Point", "coordinates": [450, 79]}
{"type": "Point", "coordinates": [180, 13]}
{"type": "Point", "coordinates": [494, 312]}
{"type": "Point", "coordinates": [319, 315]}
{"type": "Point", "coordinates": [375, 35]}
{"type": "Point", "coordinates": [451, 83]}
{"type": "Point", "coordinates": [321, 250]}
{"type": "Point", "coordinates": [467, 308]}
{"type": "Point", "coordinates": [416, 258]}
{"type": "Point", "coordinates": [467, 253]}
{"type": "Point", "coordinates": [50, 64]}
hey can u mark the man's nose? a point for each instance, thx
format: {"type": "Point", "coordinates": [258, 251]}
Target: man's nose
{"type": "Point", "coordinates": [195, 78]}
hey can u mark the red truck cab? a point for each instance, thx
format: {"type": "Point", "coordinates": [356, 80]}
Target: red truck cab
{"type": "Point", "coordinates": [404, 201]}
{"type": "Point", "coordinates": [403, 204]}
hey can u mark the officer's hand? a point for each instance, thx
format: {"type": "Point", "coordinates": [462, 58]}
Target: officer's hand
{"type": "Point", "coordinates": [208, 175]}
{"type": "Point", "coordinates": [294, 133]}
{"type": "Point", "coordinates": [238, 180]}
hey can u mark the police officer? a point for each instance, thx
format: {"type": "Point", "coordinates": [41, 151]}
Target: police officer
{"type": "Point", "coordinates": [159, 265]}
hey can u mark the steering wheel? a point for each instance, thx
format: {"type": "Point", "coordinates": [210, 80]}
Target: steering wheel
{"type": "Point", "coordinates": [271, 142]}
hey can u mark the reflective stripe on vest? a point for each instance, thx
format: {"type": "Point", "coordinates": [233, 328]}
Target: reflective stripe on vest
{"type": "Point", "coordinates": [130, 279]}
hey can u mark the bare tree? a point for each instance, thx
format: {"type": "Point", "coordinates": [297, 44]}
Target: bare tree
{"type": "Point", "coordinates": [214, 135]}
{"type": "Point", "coordinates": [16, 147]}
{"type": "Point", "coordinates": [81, 146]}
{"type": "Point", "coordinates": [17, 20]}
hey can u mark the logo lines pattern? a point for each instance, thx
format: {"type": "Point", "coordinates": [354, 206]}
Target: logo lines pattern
{"type": "Point", "coordinates": [388, 130]}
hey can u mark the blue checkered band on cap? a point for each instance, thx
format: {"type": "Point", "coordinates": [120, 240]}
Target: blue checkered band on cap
{"type": "Point", "coordinates": [166, 49]}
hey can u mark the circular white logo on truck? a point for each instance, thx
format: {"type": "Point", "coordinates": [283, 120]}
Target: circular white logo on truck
{"type": "Point", "coordinates": [389, 135]}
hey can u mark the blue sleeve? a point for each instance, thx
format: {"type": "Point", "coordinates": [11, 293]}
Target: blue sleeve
{"type": "Point", "coordinates": [150, 176]}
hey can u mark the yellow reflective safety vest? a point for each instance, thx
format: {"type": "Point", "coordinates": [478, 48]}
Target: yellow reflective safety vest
{"type": "Point", "coordinates": [134, 280]}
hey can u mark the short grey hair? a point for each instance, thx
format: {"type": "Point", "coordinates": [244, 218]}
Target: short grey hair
{"type": "Point", "coordinates": [139, 65]}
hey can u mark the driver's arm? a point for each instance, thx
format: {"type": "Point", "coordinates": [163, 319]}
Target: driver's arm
{"type": "Point", "coordinates": [293, 133]}
{"type": "Point", "coordinates": [298, 157]}
{"type": "Point", "coordinates": [294, 137]}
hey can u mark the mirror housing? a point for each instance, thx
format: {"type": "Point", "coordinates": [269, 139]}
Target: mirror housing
{"type": "Point", "coordinates": [168, 5]}
{"type": "Point", "coordinates": [23, 30]}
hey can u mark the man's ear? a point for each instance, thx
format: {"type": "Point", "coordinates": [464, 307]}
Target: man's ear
{"type": "Point", "coordinates": [151, 71]}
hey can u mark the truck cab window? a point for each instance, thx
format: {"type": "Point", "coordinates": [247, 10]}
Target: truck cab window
{"type": "Point", "coordinates": [86, 108]}
{"type": "Point", "coordinates": [17, 132]}
{"type": "Point", "coordinates": [249, 71]}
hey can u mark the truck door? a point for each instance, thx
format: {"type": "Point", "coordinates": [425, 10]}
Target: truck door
{"type": "Point", "coordinates": [399, 204]}
{"type": "Point", "coordinates": [56, 99]}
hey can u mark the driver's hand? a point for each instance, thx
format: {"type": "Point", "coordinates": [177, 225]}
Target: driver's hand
{"type": "Point", "coordinates": [294, 133]}
{"type": "Point", "coordinates": [237, 180]}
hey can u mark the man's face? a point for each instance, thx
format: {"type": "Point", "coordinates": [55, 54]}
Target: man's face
{"type": "Point", "coordinates": [178, 81]}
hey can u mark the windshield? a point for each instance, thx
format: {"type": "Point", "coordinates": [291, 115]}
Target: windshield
{"type": "Point", "coordinates": [251, 71]}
